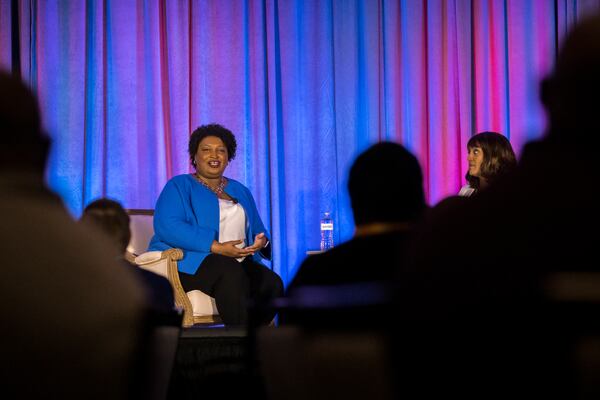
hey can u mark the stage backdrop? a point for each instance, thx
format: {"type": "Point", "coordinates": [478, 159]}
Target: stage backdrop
{"type": "Point", "coordinates": [305, 85]}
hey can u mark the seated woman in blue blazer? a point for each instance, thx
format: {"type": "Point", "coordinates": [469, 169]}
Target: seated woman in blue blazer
{"type": "Point", "coordinates": [214, 220]}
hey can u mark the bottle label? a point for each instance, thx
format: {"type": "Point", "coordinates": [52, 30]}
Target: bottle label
{"type": "Point", "coordinates": [327, 226]}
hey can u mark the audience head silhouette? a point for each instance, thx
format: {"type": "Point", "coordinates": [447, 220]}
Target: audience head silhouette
{"type": "Point", "coordinates": [571, 94]}
{"type": "Point", "coordinates": [386, 185]}
{"type": "Point", "coordinates": [109, 217]}
{"type": "Point", "coordinates": [22, 142]}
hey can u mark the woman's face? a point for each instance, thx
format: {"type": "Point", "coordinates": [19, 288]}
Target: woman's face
{"type": "Point", "coordinates": [211, 157]}
{"type": "Point", "coordinates": [475, 159]}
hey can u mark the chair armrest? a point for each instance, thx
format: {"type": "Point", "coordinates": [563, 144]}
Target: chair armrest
{"type": "Point", "coordinates": [181, 298]}
{"type": "Point", "coordinates": [148, 257]}
{"type": "Point", "coordinates": [170, 257]}
{"type": "Point", "coordinates": [153, 256]}
{"type": "Point", "coordinates": [173, 254]}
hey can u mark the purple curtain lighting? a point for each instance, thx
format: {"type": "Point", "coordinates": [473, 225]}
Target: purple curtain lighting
{"type": "Point", "coordinates": [5, 35]}
{"type": "Point", "coordinates": [305, 86]}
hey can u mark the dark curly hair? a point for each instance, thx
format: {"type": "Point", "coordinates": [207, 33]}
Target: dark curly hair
{"type": "Point", "coordinates": [498, 157]}
{"type": "Point", "coordinates": [215, 130]}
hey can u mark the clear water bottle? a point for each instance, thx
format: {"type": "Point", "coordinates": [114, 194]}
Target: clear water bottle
{"type": "Point", "coordinates": [326, 231]}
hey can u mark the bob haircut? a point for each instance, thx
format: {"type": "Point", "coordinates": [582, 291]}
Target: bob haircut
{"type": "Point", "coordinates": [215, 130]}
{"type": "Point", "coordinates": [498, 157]}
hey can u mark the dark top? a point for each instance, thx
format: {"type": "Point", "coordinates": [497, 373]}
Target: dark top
{"type": "Point", "coordinates": [363, 259]}
{"type": "Point", "coordinates": [159, 292]}
{"type": "Point", "coordinates": [354, 278]}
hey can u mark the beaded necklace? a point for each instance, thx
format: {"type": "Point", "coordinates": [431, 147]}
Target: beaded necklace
{"type": "Point", "coordinates": [218, 190]}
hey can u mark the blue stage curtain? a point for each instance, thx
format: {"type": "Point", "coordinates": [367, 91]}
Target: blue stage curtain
{"type": "Point", "coordinates": [304, 84]}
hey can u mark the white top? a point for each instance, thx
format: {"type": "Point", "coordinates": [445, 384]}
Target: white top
{"type": "Point", "coordinates": [232, 224]}
{"type": "Point", "coordinates": [466, 191]}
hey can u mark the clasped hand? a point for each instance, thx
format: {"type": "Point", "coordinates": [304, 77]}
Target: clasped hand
{"type": "Point", "coordinates": [229, 248]}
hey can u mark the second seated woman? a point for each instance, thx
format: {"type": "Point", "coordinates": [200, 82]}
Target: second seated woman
{"type": "Point", "coordinates": [214, 220]}
{"type": "Point", "coordinates": [490, 157]}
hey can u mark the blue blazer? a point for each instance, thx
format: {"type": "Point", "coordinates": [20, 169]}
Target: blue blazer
{"type": "Point", "coordinates": [187, 217]}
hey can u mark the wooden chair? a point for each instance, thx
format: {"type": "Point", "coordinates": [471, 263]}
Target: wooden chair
{"type": "Point", "coordinates": [198, 307]}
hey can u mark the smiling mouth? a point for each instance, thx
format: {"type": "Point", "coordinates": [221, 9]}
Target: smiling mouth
{"type": "Point", "coordinates": [214, 164]}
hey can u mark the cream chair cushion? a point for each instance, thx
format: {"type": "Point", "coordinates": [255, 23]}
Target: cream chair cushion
{"type": "Point", "coordinates": [202, 304]}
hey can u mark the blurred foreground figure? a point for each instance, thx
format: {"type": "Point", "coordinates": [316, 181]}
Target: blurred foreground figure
{"type": "Point", "coordinates": [386, 191]}
{"type": "Point", "coordinates": [385, 185]}
{"type": "Point", "coordinates": [111, 219]}
{"type": "Point", "coordinates": [503, 296]}
{"type": "Point", "coordinates": [334, 342]}
{"type": "Point", "coordinates": [70, 324]}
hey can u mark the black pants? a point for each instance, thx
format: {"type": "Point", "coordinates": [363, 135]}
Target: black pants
{"type": "Point", "coordinates": [233, 284]}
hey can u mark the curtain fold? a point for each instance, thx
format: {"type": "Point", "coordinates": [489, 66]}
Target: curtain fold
{"type": "Point", "coordinates": [305, 86]}
{"type": "Point", "coordinates": [5, 35]}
